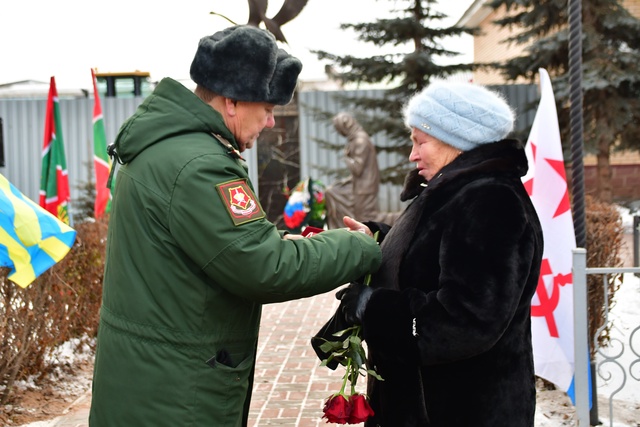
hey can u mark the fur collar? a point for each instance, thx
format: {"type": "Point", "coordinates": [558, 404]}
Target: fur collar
{"type": "Point", "coordinates": [506, 157]}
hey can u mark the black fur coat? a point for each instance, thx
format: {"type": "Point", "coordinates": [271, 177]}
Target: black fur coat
{"type": "Point", "coordinates": [448, 326]}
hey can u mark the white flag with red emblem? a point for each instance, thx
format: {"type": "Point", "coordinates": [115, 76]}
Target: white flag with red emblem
{"type": "Point", "coordinates": [552, 305]}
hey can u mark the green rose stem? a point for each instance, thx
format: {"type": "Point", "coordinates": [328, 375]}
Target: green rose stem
{"type": "Point", "coordinates": [353, 371]}
{"type": "Point", "coordinates": [345, 377]}
{"type": "Point", "coordinates": [353, 346]}
{"type": "Point", "coordinates": [356, 333]}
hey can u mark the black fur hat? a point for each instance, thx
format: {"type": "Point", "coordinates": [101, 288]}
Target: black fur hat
{"type": "Point", "coordinates": [244, 63]}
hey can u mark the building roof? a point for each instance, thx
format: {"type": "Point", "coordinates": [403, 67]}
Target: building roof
{"type": "Point", "coordinates": [37, 89]}
{"type": "Point", "coordinates": [475, 14]}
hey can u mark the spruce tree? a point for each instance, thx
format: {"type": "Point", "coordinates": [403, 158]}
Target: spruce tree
{"type": "Point", "coordinates": [410, 46]}
{"type": "Point", "coordinates": [610, 77]}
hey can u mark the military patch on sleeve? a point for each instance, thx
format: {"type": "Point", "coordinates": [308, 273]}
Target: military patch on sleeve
{"type": "Point", "coordinates": [241, 203]}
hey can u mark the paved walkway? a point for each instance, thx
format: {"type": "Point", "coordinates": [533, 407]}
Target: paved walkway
{"type": "Point", "coordinates": [290, 385]}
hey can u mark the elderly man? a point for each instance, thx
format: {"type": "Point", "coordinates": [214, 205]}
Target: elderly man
{"type": "Point", "coordinates": [191, 257]}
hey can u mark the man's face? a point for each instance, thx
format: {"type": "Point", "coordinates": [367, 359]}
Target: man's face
{"type": "Point", "coordinates": [250, 119]}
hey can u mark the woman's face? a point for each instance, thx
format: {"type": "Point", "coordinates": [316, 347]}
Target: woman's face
{"type": "Point", "coordinates": [430, 154]}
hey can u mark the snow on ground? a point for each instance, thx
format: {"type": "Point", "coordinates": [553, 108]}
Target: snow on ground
{"type": "Point", "coordinates": [618, 365]}
{"type": "Point", "coordinates": [554, 408]}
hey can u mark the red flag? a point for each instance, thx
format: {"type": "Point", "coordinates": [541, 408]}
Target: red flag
{"type": "Point", "coordinates": [54, 182]}
{"type": "Point", "coordinates": [101, 163]}
{"type": "Point", "coordinates": [552, 306]}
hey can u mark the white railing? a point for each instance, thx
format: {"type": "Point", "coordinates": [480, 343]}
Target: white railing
{"type": "Point", "coordinates": [581, 338]}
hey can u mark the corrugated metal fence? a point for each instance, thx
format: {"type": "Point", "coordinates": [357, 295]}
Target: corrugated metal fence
{"type": "Point", "coordinates": [23, 132]}
{"type": "Point", "coordinates": [23, 136]}
{"type": "Point", "coordinates": [315, 159]}
{"type": "Point", "coordinates": [23, 121]}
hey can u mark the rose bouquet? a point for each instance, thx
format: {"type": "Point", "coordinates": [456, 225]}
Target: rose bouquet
{"type": "Point", "coordinates": [346, 406]}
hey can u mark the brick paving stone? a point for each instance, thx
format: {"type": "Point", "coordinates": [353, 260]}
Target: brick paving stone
{"type": "Point", "coordinates": [288, 373]}
{"type": "Point", "coordinates": [290, 385]}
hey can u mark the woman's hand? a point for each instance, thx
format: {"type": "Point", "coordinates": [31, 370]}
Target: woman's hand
{"type": "Point", "coordinates": [354, 225]}
{"type": "Point", "coordinates": [353, 302]}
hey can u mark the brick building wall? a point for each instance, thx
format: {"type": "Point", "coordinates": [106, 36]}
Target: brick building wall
{"type": "Point", "coordinates": [633, 6]}
{"type": "Point", "coordinates": [625, 180]}
{"type": "Point", "coordinates": [489, 47]}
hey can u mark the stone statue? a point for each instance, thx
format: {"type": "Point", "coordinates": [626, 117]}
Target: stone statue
{"type": "Point", "coordinates": [289, 10]}
{"type": "Point", "coordinates": [258, 14]}
{"type": "Point", "coordinates": [356, 195]}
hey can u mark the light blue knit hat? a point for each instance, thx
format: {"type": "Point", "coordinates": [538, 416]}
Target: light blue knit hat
{"type": "Point", "coordinates": [463, 115]}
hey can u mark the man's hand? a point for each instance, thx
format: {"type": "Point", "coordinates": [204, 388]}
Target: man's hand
{"type": "Point", "coordinates": [354, 225]}
{"type": "Point", "coordinates": [293, 236]}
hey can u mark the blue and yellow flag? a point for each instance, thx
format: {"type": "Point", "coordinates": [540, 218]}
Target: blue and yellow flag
{"type": "Point", "coordinates": [31, 239]}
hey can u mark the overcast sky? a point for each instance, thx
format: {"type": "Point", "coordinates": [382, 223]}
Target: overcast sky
{"type": "Point", "coordinates": [66, 38]}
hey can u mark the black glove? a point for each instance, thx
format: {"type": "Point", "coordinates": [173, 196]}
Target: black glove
{"type": "Point", "coordinates": [353, 302]}
{"type": "Point", "coordinates": [326, 333]}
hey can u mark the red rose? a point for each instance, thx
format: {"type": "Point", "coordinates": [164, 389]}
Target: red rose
{"type": "Point", "coordinates": [336, 409]}
{"type": "Point", "coordinates": [360, 409]}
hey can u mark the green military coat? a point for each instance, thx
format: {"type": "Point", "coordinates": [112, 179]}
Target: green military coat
{"type": "Point", "coordinates": [190, 261]}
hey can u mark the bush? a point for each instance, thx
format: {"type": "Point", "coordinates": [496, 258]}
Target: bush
{"type": "Point", "coordinates": [62, 304]}
{"type": "Point", "coordinates": [604, 243]}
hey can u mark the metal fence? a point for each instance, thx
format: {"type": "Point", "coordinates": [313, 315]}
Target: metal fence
{"type": "Point", "coordinates": [315, 160]}
{"type": "Point", "coordinates": [23, 134]}
{"type": "Point", "coordinates": [23, 137]}
{"type": "Point", "coordinates": [623, 352]}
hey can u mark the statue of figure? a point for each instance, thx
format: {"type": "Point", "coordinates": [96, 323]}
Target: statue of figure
{"type": "Point", "coordinates": [356, 195]}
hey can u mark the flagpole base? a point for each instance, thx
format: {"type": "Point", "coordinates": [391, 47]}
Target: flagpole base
{"type": "Point", "coordinates": [593, 412]}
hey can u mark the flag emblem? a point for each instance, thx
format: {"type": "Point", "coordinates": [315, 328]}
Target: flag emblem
{"type": "Point", "coordinates": [240, 202]}
{"type": "Point", "coordinates": [548, 303]}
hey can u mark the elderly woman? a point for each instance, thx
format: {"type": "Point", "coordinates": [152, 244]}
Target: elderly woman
{"type": "Point", "coordinates": [447, 317]}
